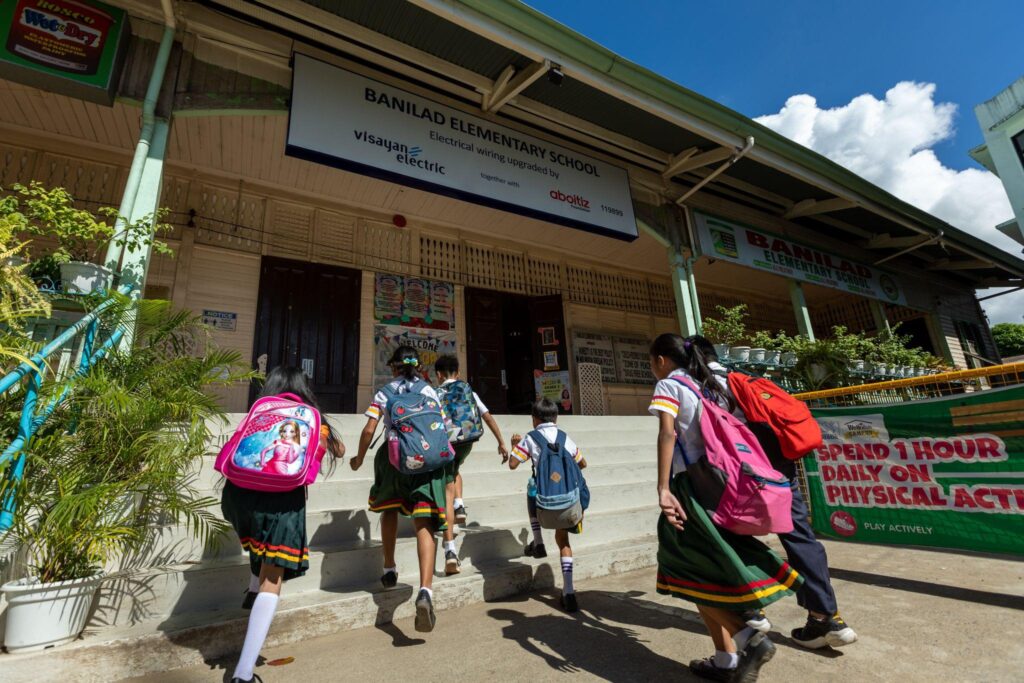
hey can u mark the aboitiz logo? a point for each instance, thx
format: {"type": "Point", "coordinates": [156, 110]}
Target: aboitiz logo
{"type": "Point", "coordinates": [574, 200]}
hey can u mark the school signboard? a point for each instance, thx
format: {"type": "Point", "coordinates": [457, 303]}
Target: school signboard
{"type": "Point", "coordinates": [943, 472]}
{"type": "Point", "coordinates": [73, 47]}
{"type": "Point", "coordinates": [747, 246]}
{"type": "Point", "coordinates": [359, 124]}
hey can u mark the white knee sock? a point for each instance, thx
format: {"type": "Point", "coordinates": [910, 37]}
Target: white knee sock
{"type": "Point", "coordinates": [567, 576]}
{"type": "Point", "coordinates": [254, 583]}
{"type": "Point", "coordinates": [538, 539]}
{"type": "Point", "coordinates": [259, 624]}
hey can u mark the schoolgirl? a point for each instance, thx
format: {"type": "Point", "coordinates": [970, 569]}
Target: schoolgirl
{"type": "Point", "coordinates": [420, 496]}
{"type": "Point", "coordinates": [272, 528]}
{"type": "Point", "coordinates": [725, 574]}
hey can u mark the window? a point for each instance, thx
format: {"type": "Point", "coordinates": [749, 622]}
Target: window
{"type": "Point", "coordinates": [1018, 144]}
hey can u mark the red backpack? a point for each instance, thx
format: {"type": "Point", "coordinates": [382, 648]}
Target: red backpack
{"type": "Point", "coordinates": [789, 418]}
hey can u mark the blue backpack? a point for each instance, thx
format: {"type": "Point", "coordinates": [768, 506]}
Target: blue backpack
{"type": "Point", "coordinates": [418, 441]}
{"type": "Point", "coordinates": [460, 406]}
{"type": "Point", "coordinates": [562, 493]}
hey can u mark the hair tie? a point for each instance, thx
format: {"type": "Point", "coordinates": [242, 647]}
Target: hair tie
{"type": "Point", "coordinates": [687, 344]}
{"type": "Point", "coordinates": [410, 361]}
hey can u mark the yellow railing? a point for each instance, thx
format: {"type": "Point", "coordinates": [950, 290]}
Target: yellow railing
{"type": "Point", "coordinates": [914, 388]}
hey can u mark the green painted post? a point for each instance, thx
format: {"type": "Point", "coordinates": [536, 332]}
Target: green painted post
{"type": "Point", "coordinates": [803, 316]}
{"type": "Point", "coordinates": [681, 287]}
{"type": "Point", "coordinates": [881, 319]}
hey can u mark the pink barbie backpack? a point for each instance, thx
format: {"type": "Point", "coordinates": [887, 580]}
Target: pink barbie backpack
{"type": "Point", "coordinates": [275, 448]}
{"type": "Point", "coordinates": [735, 482]}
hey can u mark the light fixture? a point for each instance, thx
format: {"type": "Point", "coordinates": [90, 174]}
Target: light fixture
{"type": "Point", "coordinates": [555, 75]}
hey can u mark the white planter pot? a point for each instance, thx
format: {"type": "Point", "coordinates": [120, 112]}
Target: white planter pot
{"type": "Point", "coordinates": [43, 615]}
{"type": "Point", "coordinates": [857, 365]}
{"type": "Point", "coordinates": [772, 357]}
{"type": "Point", "coordinates": [788, 358]}
{"type": "Point", "coordinates": [84, 278]}
{"type": "Point", "coordinates": [14, 261]}
{"type": "Point", "coordinates": [740, 353]}
{"type": "Point", "coordinates": [757, 355]}
{"type": "Point", "coordinates": [722, 350]}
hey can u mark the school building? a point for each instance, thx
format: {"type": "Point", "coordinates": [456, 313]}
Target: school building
{"type": "Point", "coordinates": [467, 176]}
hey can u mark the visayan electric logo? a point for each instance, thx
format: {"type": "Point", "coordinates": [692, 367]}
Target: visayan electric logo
{"type": "Point", "coordinates": [404, 154]}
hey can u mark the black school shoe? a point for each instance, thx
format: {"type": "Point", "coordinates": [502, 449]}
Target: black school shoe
{"type": "Point", "coordinates": [819, 633]}
{"type": "Point", "coordinates": [569, 602]}
{"type": "Point", "coordinates": [535, 550]}
{"type": "Point", "coordinates": [756, 653]}
{"type": "Point", "coordinates": [424, 612]}
{"type": "Point", "coordinates": [248, 599]}
{"type": "Point", "coordinates": [460, 514]}
{"type": "Point", "coordinates": [254, 679]}
{"type": "Point", "coordinates": [389, 579]}
{"type": "Point", "coordinates": [705, 668]}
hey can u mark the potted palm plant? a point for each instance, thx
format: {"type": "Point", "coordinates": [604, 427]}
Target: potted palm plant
{"type": "Point", "coordinates": [80, 235]}
{"type": "Point", "coordinates": [116, 459]}
{"type": "Point", "coordinates": [727, 329]}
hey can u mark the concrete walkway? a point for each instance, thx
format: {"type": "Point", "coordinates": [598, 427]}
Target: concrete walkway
{"type": "Point", "coordinates": [921, 615]}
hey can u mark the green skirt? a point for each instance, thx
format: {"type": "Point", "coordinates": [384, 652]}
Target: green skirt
{"type": "Point", "coordinates": [462, 451]}
{"type": "Point", "coordinates": [271, 527]}
{"type": "Point", "coordinates": [420, 496]}
{"type": "Point", "coordinates": [714, 567]}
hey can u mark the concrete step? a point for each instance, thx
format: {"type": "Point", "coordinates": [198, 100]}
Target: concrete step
{"type": "Point", "coordinates": [193, 638]}
{"type": "Point", "coordinates": [217, 582]}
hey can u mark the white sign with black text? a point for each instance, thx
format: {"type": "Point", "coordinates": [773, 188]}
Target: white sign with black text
{"type": "Point", "coordinates": [358, 124]}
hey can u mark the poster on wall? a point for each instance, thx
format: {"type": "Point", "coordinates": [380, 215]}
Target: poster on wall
{"type": "Point", "coordinates": [598, 349]}
{"type": "Point", "coordinates": [393, 134]}
{"type": "Point", "coordinates": [632, 356]}
{"type": "Point", "coordinates": [623, 359]}
{"type": "Point", "coordinates": [72, 47]}
{"type": "Point", "coordinates": [429, 343]}
{"type": "Point", "coordinates": [413, 302]}
{"type": "Point", "coordinates": [555, 386]}
{"type": "Point", "coordinates": [945, 472]}
{"type": "Point", "coordinates": [746, 246]}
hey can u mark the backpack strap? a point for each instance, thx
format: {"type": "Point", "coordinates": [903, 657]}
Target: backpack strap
{"type": "Point", "coordinates": [560, 440]}
{"type": "Point", "coordinates": [689, 385]}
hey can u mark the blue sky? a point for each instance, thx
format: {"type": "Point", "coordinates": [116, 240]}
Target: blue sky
{"type": "Point", "coordinates": [752, 55]}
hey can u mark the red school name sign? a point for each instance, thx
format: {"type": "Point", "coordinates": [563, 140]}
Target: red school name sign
{"type": "Point", "coordinates": [747, 246]}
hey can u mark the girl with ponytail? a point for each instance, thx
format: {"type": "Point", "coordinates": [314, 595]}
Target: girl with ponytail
{"type": "Point", "coordinates": [419, 496]}
{"type": "Point", "coordinates": [730, 577]}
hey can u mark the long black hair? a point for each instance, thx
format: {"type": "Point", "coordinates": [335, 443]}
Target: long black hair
{"type": "Point", "coordinates": [688, 355]}
{"type": "Point", "coordinates": [406, 360]}
{"type": "Point", "coordinates": [287, 379]}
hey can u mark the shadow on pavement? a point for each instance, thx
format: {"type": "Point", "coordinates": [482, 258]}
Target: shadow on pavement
{"type": "Point", "coordinates": [928, 588]}
{"type": "Point", "coordinates": [387, 602]}
{"type": "Point", "coordinates": [587, 642]}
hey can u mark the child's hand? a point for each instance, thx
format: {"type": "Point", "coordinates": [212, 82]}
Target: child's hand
{"type": "Point", "coordinates": [671, 508]}
{"type": "Point", "coordinates": [516, 438]}
{"type": "Point", "coordinates": [503, 452]}
{"type": "Point", "coordinates": [356, 462]}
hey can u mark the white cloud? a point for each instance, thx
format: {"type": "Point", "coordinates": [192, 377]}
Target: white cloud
{"type": "Point", "coordinates": [889, 142]}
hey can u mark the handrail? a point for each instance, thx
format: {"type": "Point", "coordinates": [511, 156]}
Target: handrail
{"type": "Point", "coordinates": [924, 380]}
{"type": "Point", "coordinates": [31, 420]}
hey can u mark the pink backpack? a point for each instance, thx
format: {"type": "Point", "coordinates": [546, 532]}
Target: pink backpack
{"type": "Point", "coordinates": [735, 482]}
{"type": "Point", "coordinates": [275, 448]}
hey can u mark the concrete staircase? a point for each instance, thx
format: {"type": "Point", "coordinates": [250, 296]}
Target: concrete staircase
{"type": "Point", "coordinates": [179, 605]}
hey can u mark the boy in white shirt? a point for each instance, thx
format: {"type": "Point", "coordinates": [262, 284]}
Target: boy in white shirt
{"type": "Point", "coordinates": [545, 415]}
{"type": "Point", "coordinates": [447, 369]}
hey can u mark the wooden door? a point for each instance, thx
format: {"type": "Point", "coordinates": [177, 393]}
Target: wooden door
{"type": "Point", "coordinates": [547, 331]}
{"type": "Point", "coordinates": [486, 348]}
{"type": "Point", "coordinates": [308, 317]}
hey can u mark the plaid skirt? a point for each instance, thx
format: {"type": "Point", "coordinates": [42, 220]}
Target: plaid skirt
{"type": "Point", "coordinates": [271, 527]}
{"type": "Point", "coordinates": [420, 496]}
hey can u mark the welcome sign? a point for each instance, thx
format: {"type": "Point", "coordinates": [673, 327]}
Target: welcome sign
{"type": "Point", "coordinates": [358, 124]}
{"type": "Point", "coordinates": [730, 241]}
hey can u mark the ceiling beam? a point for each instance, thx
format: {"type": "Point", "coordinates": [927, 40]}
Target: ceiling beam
{"type": "Point", "coordinates": [507, 87]}
{"type": "Point", "coordinates": [964, 264]}
{"type": "Point", "coordinates": [672, 167]}
{"type": "Point", "coordinates": [692, 161]}
{"type": "Point", "coordinates": [887, 241]}
{"type": "Point", "coordinates": [811, 207]}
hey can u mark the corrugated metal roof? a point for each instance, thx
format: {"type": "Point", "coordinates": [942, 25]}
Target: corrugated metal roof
{"type": "Point", "coordinates": [426, 31]}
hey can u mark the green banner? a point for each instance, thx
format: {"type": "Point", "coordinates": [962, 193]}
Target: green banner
{"type": "Point", "coordinates": [945, 472]}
